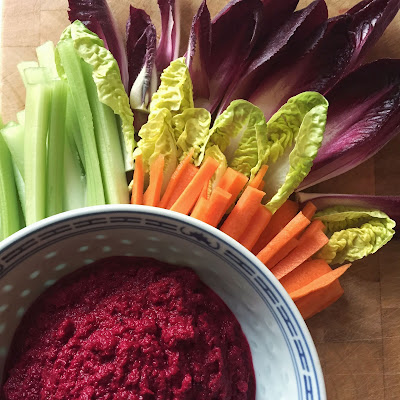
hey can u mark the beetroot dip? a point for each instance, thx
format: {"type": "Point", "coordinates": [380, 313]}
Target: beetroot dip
{"type": "Point", "coordinates": [129, 329]}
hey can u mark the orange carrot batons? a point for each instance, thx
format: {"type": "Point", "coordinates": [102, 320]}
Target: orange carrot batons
{"type": "Point", "coordinates": [301, 253]}
{"type": "Point", "coordinates": [186, 201]}
{"type": "Point", "coordinates": [175, 178]}
{"type": "Point", "coordinates": [218, 204]}
{"type": "Point", "coordinates": [319, 283]}
{"type": "Point", "coordinates": [257, 224]}
{"type": "Point", "coordinates": [283, 252]}
{"type": "Point", "coordinates": [290, 231]}
{"type": "Point", "coordinates": [152, 195]}
{"type": "Point", "coordinates": [138, 181]}
{"type": "Point", "coordinates": [239, 218]}
{"type": "Point", "coordinates": [309, 210]}
{"type": "Point", "coordinates": [282, 216]}
{"type": "Point", "coordinates": [305, 274]}
{"type": "Point", "coordinates": [317, 301]}
{"type": "Point", "coordinates": [187, 175]}
{"type": "Point", "coordinates": [259, 178]}
{"type": "Point", "coordinates": [233, 182]}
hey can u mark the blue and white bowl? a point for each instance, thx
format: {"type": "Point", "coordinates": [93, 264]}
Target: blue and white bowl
{"type": "Point", "coordinates": [284, 356]}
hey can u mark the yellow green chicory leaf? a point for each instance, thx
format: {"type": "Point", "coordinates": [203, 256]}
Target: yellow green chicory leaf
{"type": "Point", "coordinates": [353, 233]}
{"type": "Point", "coordinates": [294, 136]}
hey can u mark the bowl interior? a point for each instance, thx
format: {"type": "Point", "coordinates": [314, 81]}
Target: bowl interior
{"type": "Point", "coordinates": [284, 357]}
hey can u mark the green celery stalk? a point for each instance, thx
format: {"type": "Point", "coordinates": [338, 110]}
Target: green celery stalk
{"type": "Point", "coordinates": [74, 176]}
{"type": "Point", "coordinates": [72, 126]}
{"type": "Point", "coordinates": [21, 117]}
{"type": "Point", "coordinates": [14, 136]}
{"type": "Point", "coordinates": [22, 66]}
{"type": "Point", "coordinates": [46, 58]}
{"type": "Point", "coordinates": [108, 144]}
{"type": "Point", "coordinates": [38, 106]}
{"type": "Point", "coordinates": [9, 203]}
{"type": "Point", "coordinates": [19, 182]}
{"type": "Point", "coordinates": [55, 152]}
{"type": "Point", "coordinates": [73, 71]}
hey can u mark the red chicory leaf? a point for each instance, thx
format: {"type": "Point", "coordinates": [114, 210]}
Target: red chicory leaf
{"type": "Point", "coordinates": [363, 115]}
{"type": "Point", "coordinates": [97, 16]}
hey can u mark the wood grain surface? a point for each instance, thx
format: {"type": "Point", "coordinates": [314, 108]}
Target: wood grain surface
{"type": "Point", "coordinates": [358, 338]}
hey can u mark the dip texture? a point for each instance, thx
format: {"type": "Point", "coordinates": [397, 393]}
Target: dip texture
{"type": "Point", "coordinates": [129, 329]}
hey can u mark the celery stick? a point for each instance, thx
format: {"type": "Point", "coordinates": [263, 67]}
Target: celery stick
{"type": "Point", "coordinates": [55, 152]}
{"type": "Point", "coordinates": [22, 66]}
{"type": "Point", "coordinates": [72, 126]}
{"type": "Point", "coordinates": [19, 182]}
{"type": "Point", "coordinates": [74, 177]}
{"type": "Point", "coordinates": [9, 202]}
{"type": "Point", "coordinates": [108, 144]}
{"type": "Point", "coordinates": [73, 71]}
{"type": "Point", "coordinates": [38, 102]}
{"type": "Point", "coordinates": [14, 136]}
{"type": "Point", "coordinates": [45, 55]}
{"type": "Point", "coordinates": [21, 117]}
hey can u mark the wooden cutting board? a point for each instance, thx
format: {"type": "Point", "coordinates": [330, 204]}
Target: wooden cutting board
{"type": "Point", "coordinates": [358, 337]}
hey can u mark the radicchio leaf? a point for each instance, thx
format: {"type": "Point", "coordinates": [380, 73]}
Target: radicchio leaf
{"type": "Point", "coordinates": [198, 52]}
{"type": "Point", "coordinates": [371, 18]}
{"type": "Point", "coordinates": [168, 47]}
{"type": "Point", "coordinates": [275, 13]}
{"type": "Point", "coordinates": [97, 17]}
{"type": "Point", "coordinates": [230, 46]}
{"type": "Point", "coordinates": [292, 37]}
{"type": "Point", "coordinates": [364, 115]}
{"type": "Point", "coordinates": [334, 55]}
{"type": "Point", "coordinates": [388, 204]}
{"type": "Point", "coordinates": [141, 47]}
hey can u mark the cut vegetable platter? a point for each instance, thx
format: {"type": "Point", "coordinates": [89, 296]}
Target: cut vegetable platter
{"type": "Point", "coordinates": [356, 337]}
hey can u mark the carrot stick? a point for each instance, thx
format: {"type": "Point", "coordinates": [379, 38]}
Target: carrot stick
{"type": "Point", "coordinates": [187, 175]}
{"type": "Point", "coordinates": [316, 225]}
{"type": "Point", "coordinates": [309, 210]}
{"type": "Point", "coordinates": [218, 203]}
{"type": "Point", "coordinates": [301, 253]}
{"type": "Point", "coordinates": [186, 201]}
{"type": "Point", "coordinates": [319, 283]}
{"type": "Point", "coordinates": [291, 230]}
{"type": "Point", "coordinates": [203, 195]}
{"type": "Point", "coordinates": [261, 185]}
{"type": "Point", "coordinates": [282, 216]}
{"type": "Point", "coordinates": [239, 218]}
{"type": "Point", "coordinates": [283, 252]}
{"type": "Point", "coordinates": [138, 181]}
{"type": "Point", "coordinates": [175, 178]}
{"type": "Point", "coordinates": [317, 301]}
{"type": "Point", "coordinates": [151, 196]}
{"type": "Point", "coordinates": [233, 182]}
{"type": "Point", "coordinates": [259, 178]}
{"type": "Point", "coordinates": [257, 224]}
{"type": "Point", "coordinates": [305, 274]}
{"type": "Point", "coordinates": [200, 210]}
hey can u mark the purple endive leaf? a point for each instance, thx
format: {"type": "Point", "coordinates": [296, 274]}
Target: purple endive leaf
{"type": "Point", "coordinates": [198, 52]}
{"type": "Point", "coordinates": [371, 18]}
{"type": "Point", "coordinates": [388, 204]}
{"type": "Point", "coordinates": [141, 48]}
{"type": "Point", "coordinates": [346, 38]}
{"type": "Point", "coordinates": [318, 70]}
{"type": "Point", "coordinates": [234, 33]}
{"type": "Point", "coordinates": [97, 16]}
{"type": "Point", "coordinates": [297, 36]}
{"type": "Point", "coordinates": [275, 13]}
{"type": "Point", "coordinates": [168, 47]}
{"type": "Point", "coordinates": [363, 115]}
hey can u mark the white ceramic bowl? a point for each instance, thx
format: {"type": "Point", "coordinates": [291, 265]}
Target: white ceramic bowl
{"type": "Point", "coordinates": [285, 360]}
